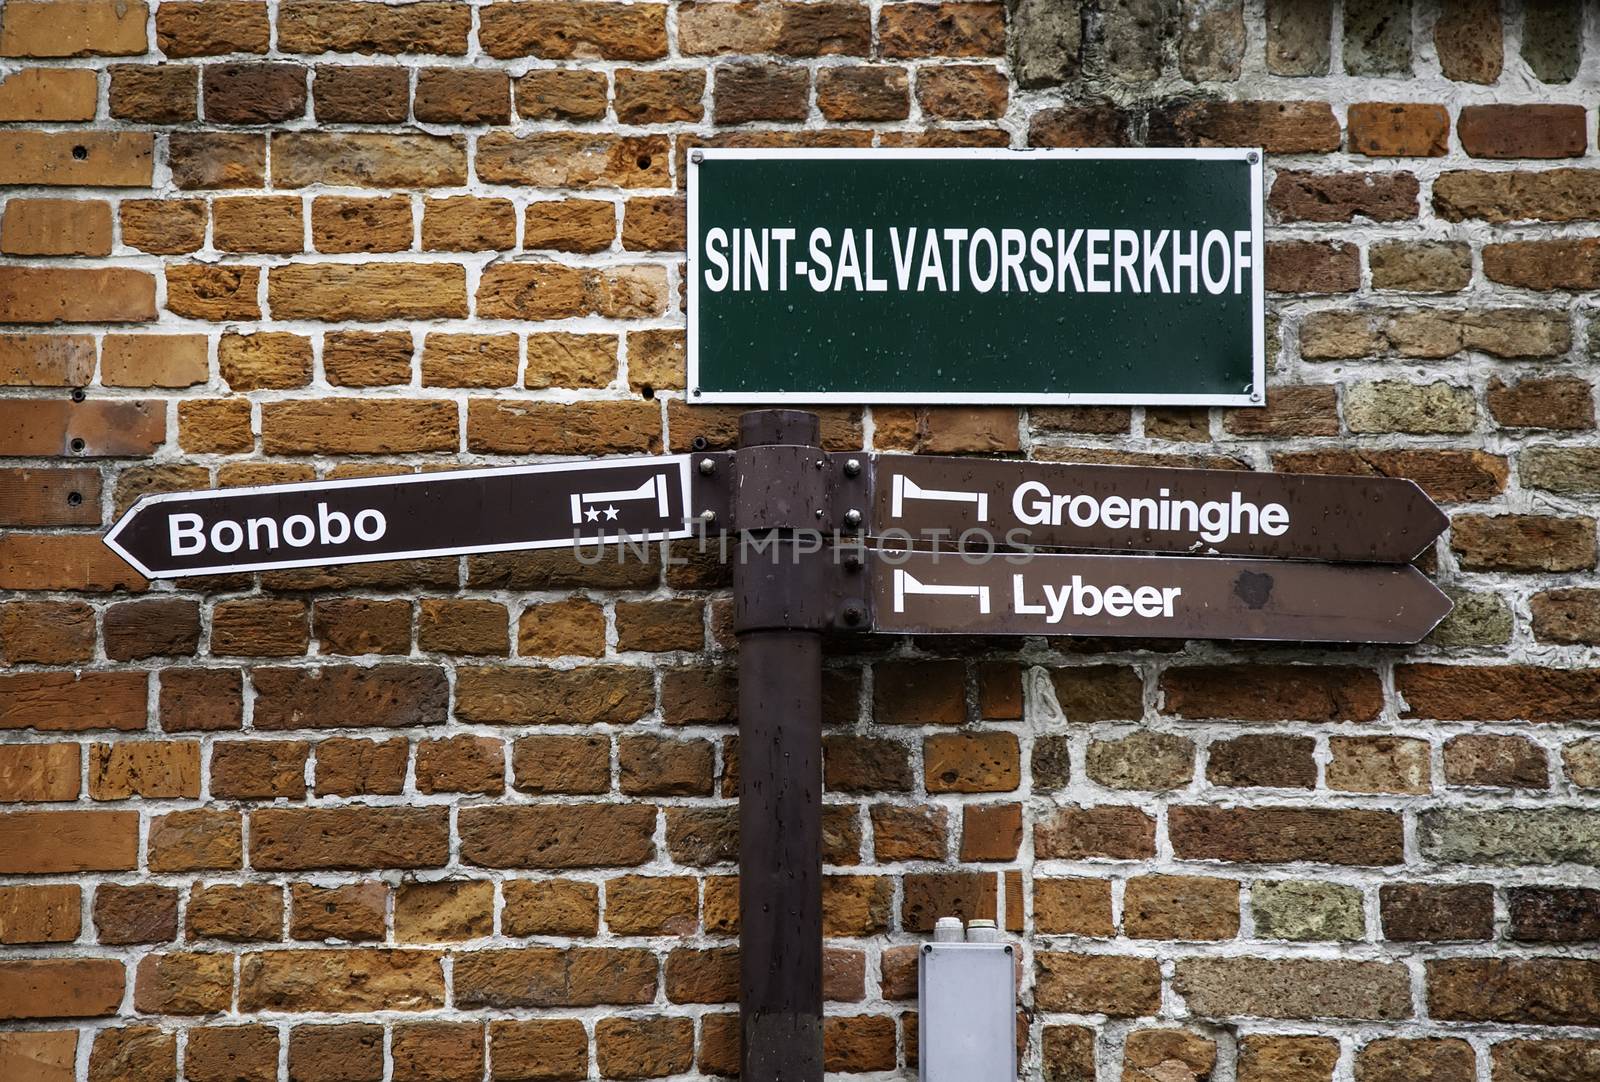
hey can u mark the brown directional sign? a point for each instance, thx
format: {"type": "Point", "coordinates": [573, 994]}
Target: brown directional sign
{"type": "Point", "coordinates": [1154, 509]}
{"type": "Point", "coordinates": [1151, 597]}
{"type": "Point", "coordinates": [414, 515]}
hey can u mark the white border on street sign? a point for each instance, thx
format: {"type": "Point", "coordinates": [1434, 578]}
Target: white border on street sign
{"type": "Point", "coordinates": [1258, 363]}
{"type": "Point", "coordinates": [680, 462]}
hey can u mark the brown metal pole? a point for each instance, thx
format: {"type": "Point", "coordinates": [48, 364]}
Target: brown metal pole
{"type": "Point", "coordinates": [780, 767]}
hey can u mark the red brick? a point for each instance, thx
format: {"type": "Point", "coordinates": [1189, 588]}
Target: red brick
{"type": "Point", "coordinates": [1276, 835]}
{"type": "Point", "coordinates": [109, 159]}
{"type": "Point", "coordinates": [1279, 127]}
{"type": "Point", "coordinates": [60, 988]}
{"type": "Point", "coordinates": [343, 26]}
{"type": "Point", "coordinates": [37, 28]}
{"type": "Point", "coordinates": [33, 773]}
{"type": "Point", "coordinates": [66, 701]}
{"type": "Point", "coordinates": [46, 914]}
{"type": "Point", "coordinates": [56, 227]}
{"type": "Point", "coordinates": [1523, 131]}
{"type": "Point", "coordinates": [154, 93]}
{"type": "Point", "coordinates": [1389, 130]}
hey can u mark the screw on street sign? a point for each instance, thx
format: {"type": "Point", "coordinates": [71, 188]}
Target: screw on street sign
{"type": "Point", "coordinates": [415, 515]}
{"type": "Point", "coordinates": [1151, 597]}
{"type": "Point", "coordinates": [1155, 509]}
{"type": "Point", "coordinates": [1084, 276]}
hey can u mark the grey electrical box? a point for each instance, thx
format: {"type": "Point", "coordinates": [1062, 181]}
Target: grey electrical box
{"type": "Point", "coordinates": [967, 1021]}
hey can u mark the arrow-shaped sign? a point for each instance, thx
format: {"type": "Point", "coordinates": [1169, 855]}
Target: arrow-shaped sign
{"type": "Point", "coordinates": [1152, 597]}
{"type": "Point", "coordinates": [389, 518]}
{"type": "Point", "coordinates": [1154, 509]}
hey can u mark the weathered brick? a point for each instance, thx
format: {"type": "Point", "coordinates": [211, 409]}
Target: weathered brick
{"type": "Point", "coordinates": [555, 977]}
{"type": "Point", "coordinates": [539, 1048]}
{"type": "Point", "coordinates": [587, 836]}
{"type": "Point", "coordinates": [60, 988]}
{"type": "Point", "coordinates": [1272, 693]}
{"type": "Point", "coordinates": [254, 93]}
{"type": "Point", "coordinates": [1502, 761]}
{"type": "Point", "coordinates": [46, 632]}
{"type": "Point", "coordinates": [1093, 983]}
{"type": "Point", "coordinates": [1293, 988]}
{"type": "Point", "coordinates": [56, 227]}
{"type": "Point", "coordinates": [971, 762]}
{"type": "Point", "coordinates": [231, 1054]}
{"type": "Point", "coordinates": [99, 159]}
{"type": "Point", "coordinates": [367, 159]}
{"type": "Point", "coordinates": [1469, 42]}
{"type": "Point", "coordinates": [1379, 764]}
{"type": "Point", "coordinates": [1556, 402]}
{"type": "Point", "coordinates": [368, 94]}
{"type": "Point", "coordinates": [235, 912]}
{"type": "Point", "coordinates": [1518, 836]}
{"type": "Point", "coordinates": [866, 92]}
{"type": "Point", "coordinates": [212, 27]}
{"type": "Point", "coordinates": [1570, 471]}
{"type": "Point", "coordinates": [1554, 914]}
{"type": "Point", "coordinates": [1540, 991]}
{"type": "Point", "coordinates": [573, 160]}
{"type": "Point", "coordinates": [1523, 131]}
{"type": "Point", "coordinates": [343, 26]}
{"type": "Point", "coordinates": [1420, 266]}
{"type": "Point", "coordinates": [1523, 542]}
{"type": "Point", "coordinates": [943, 29]}
{"type": "Point", "coordinates": [66, 701]}
{"type": "Point", "coordinates": [1119, 832]}
{"type": "Point", "coordinates": [350, 1052]}
{"type": "Point", "coordinates": [352, 911]}
{"type": "Point", "coordinates": [564, 94]}
{"type": "Point", "coordinates": [195, 840]}
{"type": "Point", "coordinates": [1395, 1059]}
{"type": "Point", "coordinates": [1279, 127]}
{"type": "Point", "coordinates": [32, 95]}
{"type": "Point", "coordinates": [1388, 130]}
{"type": "Point", "coordinates": [1303, 910]}
{"type": "Point", "coordinates": [659, 97]}
{"type": "Point", "coordinates": [1558, 1060]}
{"type": "Point", "coordinates": [437, 1051]}
{"type": "Point", "coordinates": [1180, 907]}
{"type": "Point", "coordinates": [564, 30]}
{"type": "Point", "coordinates": [41, 914]}
{"type": "Point", "coordinates": [348, 837]}
{"type": "Point", "coordinates": [165, 227]}
{"type": "Point", "coordinates": [341, 980]}
{"type": "Point", "coordinates": [1342, 197]}
{"type": "Point", "coordinates": [1276, 835]}
{"type": "Point", "coordinates": [43, 28]}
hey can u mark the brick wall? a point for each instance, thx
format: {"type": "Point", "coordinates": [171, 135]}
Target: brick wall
{"type": "Point", "coordinates": [470, 819]}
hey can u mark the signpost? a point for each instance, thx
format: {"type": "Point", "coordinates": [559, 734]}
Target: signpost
{"type": "Point", "coordinates": [927, 546]}
{"type": "Point", "coordinates": [1145, 597]}
{"type": "Point", "coordinates": [976, 276]}
{"type": "Point", "coordinates": [1156, 509]}
{"type": "Point", "coordinates": [317, 523]}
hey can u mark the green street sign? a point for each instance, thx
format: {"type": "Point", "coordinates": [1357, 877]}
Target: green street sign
{"type": "Point", "coordinates": [976, 276]}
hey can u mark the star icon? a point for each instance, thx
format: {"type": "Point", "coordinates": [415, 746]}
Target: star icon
{"type": "Point", "coordinates": [591, 515]}
{"type": "Point", "coordinates": [611, 514]}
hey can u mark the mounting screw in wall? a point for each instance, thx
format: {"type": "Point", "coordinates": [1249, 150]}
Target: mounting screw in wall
{"type": "Point", "coordinates": [1252, 157]}
{"type": "Point", "coordinates": [695, 391]}
{"type": "Point", "coordinates": [707, 467]}
{"type": "Point", "coordinates": [852, 467]}
{"type": "Point", "coordinates": [697, 157]}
